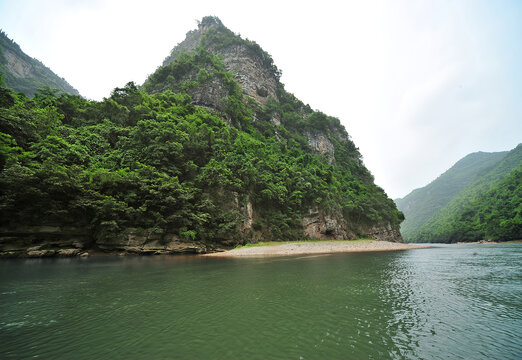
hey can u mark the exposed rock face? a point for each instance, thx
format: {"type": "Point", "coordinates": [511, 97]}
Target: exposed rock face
{"type": "Point", "coordinates": [248, 216]}
{"type": "Point", "coordinates": [45, 241]}
{"type": "Point", "coordinates": [39, 241]}
{"type": "Point", "coordinates": [42, 241]}
{"type": "Point", "coordinates": [383, 232]}
{"type": "Point", "coordinates": [143, 242]}
{"type": "Point", "coordinates": [26, 74]}
{"type": "Point", "coordinates": [318, 225]}
{"type": "Point", "coordinates": [320, 144]}
{"type": "Point", "coordinates": [18, 67]}
{"type": "Point", "coordinates": [275, 120]}
{"type": "Point", "coordinates": [257, 81]}
{"type": "Point", "coordinates": [209, 94]}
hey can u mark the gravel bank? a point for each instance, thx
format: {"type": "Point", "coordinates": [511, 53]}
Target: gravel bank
{"type": "Point", "coordinates": [317, 247]}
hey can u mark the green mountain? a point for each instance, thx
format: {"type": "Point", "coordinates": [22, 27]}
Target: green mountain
{"type": "Point", "coordinates": [493, 215]}
{"type": "Point", "coordinates": [421, 204]}
{"type": "Point", "coordinates": [209, 153]}
{"type": "Point", "coordinates": [485, 207]}
{"type": "Point", "coordinates": [25, 74]}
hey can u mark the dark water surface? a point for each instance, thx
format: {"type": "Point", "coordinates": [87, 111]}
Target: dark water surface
{"type": "Point", "coordinates": [454, 302]}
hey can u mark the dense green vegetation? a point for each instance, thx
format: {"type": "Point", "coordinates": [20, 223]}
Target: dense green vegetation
{"type": "Point", "coordinates": [488, 207]}
{"type": "Point", "coordinates": [157, 162]}
{"type": "Point", "coordinates": [495, 215]}
{"type": "Point", "coordinates": [31, 74]}
{"type": "Point", "coordinates": [421, 204]}
{"type": "Point", "coordinates": [150, 158]}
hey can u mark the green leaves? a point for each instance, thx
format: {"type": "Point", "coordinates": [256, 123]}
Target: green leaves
{"type": "Point", "coordinates": [158, 162]}
{"type": "Point", "coordinates": [58, 151]}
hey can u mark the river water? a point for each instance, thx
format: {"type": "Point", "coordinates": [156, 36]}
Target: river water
{"type": "Point", "coordinates": [454, 302]}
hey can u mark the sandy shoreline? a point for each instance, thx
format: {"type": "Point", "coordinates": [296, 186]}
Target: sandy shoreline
{"type": "Point", "coordinates": [317, 247]}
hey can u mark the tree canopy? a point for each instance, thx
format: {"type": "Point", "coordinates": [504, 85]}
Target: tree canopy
{"type": "Point", "coordinates": [158, 162]}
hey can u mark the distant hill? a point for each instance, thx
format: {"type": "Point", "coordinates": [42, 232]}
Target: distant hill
{"type": "Point", "coordinates": [421, 204]}
{"type": "Point", "coordinates": [460, 204]}
{"type": "Point", "coordinates": [493, 215]}
{"type": "Point", "coordinates": [25, 74]}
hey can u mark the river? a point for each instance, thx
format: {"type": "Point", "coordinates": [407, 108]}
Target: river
{"type": "Point", "coordinates": [450, 301]}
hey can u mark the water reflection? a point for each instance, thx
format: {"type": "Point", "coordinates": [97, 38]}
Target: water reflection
{"type": "Point", "coordinates": [434, 303]}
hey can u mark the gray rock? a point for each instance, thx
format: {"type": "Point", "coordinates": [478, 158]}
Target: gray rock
{"type": "Point", "coordinates": [320, 144]}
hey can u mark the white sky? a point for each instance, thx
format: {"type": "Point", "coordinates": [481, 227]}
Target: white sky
{"type": "Point", "coordinates": [417, 84]}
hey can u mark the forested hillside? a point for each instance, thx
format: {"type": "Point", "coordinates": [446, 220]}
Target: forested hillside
{"type": "Point", "coordinates": [190, 162]}
{"type": "Point", "coordinates": [421, 204]}
{"type": "Point", "coordinates": [26, 74]}
{"type": "Point", "coordinates": [488, 207]}
{"type": "Point", "coordinates": [495, 215]}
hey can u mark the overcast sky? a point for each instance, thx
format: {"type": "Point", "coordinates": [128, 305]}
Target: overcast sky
{"type": "Point", "coordinates": [417, 84]}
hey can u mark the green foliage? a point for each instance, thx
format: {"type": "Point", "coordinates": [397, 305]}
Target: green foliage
{"type": "Point", "coordinates": [421, 204]}
{"type": "Point", "coordinates": [487, 208]}
{"type": "Point", "coordinates": [6, 99]}
{"type": "Point", "coordinates": [495, 215]}
{"type": "Point", "coordinates": [149, 158]}
{"type": "Point", "coordinates": [198, 66]}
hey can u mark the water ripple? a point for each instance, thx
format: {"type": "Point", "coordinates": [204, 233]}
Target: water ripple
{"type": "Point", "coordinates": [451, 302]}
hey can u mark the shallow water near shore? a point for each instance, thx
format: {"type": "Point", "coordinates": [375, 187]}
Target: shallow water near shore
{"type": "Point", "coordinates": [457, 301]}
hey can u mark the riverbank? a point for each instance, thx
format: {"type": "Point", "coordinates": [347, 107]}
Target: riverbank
{"type": "Point", "coordinates": [488, 242]}
{"type": "Point", "coordinates": [259, 249]}
{"type": "Point", "coordinates": [316, 247]}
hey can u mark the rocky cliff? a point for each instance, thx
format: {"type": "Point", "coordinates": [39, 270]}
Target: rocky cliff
{"type": "Point", "coordinates": [251, 67]}
{"type": "Point", "coordinates": [65, 241]}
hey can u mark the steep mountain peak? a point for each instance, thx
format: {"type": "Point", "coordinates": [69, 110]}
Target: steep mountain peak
{"type": "Point", "coordinates": [210, 22]}
{"type": "Point", "coordinates": [193, 37]}
{"type": "Point", "coordinates": [237, 80]}
{"type": "Point", "coordinates": [252, 67]}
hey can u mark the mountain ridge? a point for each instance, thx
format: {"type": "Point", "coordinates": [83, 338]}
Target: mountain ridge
{"type": "Point", "coordinates": [422, 203]}
{"type": "Point", "coordinates": [26, 74]}
{"type": "Point", "coordinates": [481, 172]}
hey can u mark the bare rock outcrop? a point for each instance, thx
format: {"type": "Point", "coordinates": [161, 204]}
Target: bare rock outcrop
{"type": "Point", "coordinates": [320, 144]}
{"type": "Point", "coordinates": [137, 241]}
{"type": "Point", "coordinates": [319, 225]}
{"type": "Point", "coordinates": [45, 241]}
{"type": "Point", "coordinates": [209, 94]}
{"type": "Point", "coordinates": [256, 80]}
{"type": "Point", "coordinates": [41, 241]}
{"type": "Point", "coordinates": [383, 232]}
{"type": "Point", "coordinates": [17, 66]}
